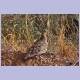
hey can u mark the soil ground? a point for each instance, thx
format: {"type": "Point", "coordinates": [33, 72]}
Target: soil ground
{"type": "Point", "coordinates": [9, 58]}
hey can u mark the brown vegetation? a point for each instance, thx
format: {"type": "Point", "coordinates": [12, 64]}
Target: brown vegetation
{"type": "Point", "coordinates": [19, 31]}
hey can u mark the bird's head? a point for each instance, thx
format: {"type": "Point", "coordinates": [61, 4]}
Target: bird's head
{"type": "Point", "coordinates": [45, 30]}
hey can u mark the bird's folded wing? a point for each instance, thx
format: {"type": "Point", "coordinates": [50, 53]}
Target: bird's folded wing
{"type": "Point", "coordinates": [38, 47]}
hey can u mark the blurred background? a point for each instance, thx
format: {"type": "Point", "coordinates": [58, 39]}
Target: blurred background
{"type": "Point", "coordinates": [20, 31]}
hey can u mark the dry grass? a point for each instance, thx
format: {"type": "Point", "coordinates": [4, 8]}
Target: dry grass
{"type": "Point", "coordinates": [20, 31]}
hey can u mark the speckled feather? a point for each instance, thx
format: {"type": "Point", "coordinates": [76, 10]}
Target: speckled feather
{"type": "Point", "coordinates": [39, 47]}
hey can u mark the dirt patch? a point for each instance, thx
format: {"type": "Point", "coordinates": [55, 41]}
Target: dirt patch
{"type": "Point", "coordinates": [48, 59]}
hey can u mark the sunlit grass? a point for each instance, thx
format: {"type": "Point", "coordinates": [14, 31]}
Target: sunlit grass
{"type": "Point", "coordinates": [20, 32]}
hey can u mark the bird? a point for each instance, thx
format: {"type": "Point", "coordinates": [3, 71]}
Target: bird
{"type": "Point", "coordinates": [39, 47]}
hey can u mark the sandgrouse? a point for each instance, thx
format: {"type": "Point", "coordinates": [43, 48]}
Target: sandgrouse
{"type": "Point", "coordinates": [39, 46]}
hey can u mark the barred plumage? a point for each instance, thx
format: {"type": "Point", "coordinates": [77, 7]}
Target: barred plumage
{"type": "Point", "coordinates": [39, 47]}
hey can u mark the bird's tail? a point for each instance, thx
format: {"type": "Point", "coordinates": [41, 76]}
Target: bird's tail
{"type": "Point", "coordinates": [28, 56]}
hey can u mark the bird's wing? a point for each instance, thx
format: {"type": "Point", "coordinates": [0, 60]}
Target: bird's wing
{"type": "Point", "coordinates": [38, 46]}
